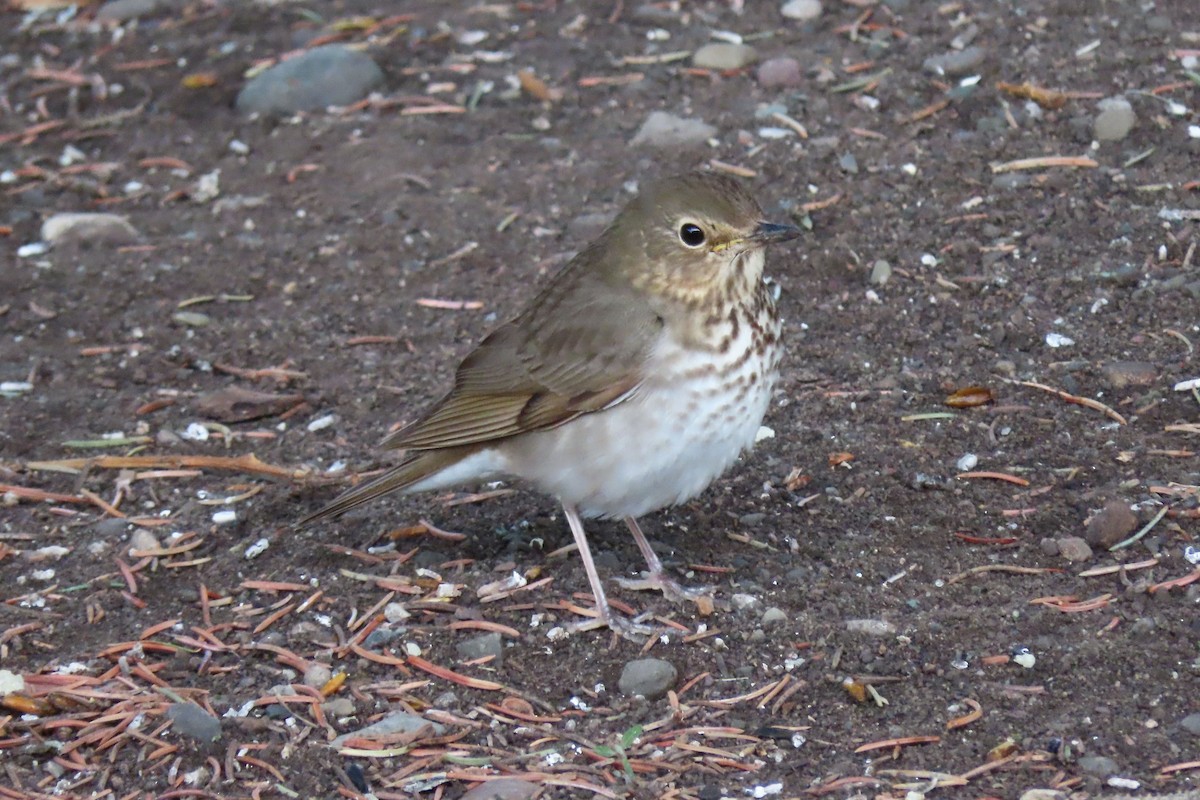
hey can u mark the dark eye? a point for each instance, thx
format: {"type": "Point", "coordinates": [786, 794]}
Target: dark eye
{"type": "Point", "coordinates": [691, 235]}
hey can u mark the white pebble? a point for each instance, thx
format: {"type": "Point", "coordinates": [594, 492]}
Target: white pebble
{"type": "Point", "coordinates": [239, 147]}
{"type": "Point", "coordinates": [1057, 340]}
{"type": "Point", "coordinates": [395, 612]}
{"type": "Point", "coordinates": [15, 387]}
{"type": "Point", "coordinates": [1123, 783]}
{"type": "Point", "coordinates": [195, 432]}
{"type": "Point", "coordinates": [45, 575]}
{"type": "Point", "coordinates": [33, 249]}
{"type": "Point", "coordinates": [320, 423]}
{"type": "Point", "coordinates": [1025, 659]}
{"type": "Point", "coordinates": [257, 549]}
{"type": "Point", "coordinates": [412, 649]}
{"type": "Point", "coordinates": [224, 517]}
{"type": "Point", "coordinates": [764, 433]}
{"type": "Point", "coordinates": [968, 462]}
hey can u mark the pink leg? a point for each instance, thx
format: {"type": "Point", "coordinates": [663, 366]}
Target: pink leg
{"type": "Point", "coordinates": [656, 578]}
{"type": "Point", "coordinates": [622, 626]}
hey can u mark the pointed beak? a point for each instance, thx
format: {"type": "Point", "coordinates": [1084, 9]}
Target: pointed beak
{"type": "Point", "coordinates": [770, 233]}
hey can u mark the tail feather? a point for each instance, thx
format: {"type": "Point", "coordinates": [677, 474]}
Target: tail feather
{"type": "Point", "coordinates": [415, 468]}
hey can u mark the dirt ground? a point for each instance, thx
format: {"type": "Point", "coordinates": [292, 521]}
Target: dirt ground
{"type": "Point", "coordinates": [351, 258]}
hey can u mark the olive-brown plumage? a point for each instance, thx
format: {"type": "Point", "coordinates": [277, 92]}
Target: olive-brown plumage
{"type": "Point", "coordinates": [634, 379]}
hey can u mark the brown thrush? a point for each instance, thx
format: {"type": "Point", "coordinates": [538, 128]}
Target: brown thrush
{"type": "Point", "coordinates": [635, 379]}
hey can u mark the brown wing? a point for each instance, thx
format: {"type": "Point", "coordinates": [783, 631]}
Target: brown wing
{"type": "Point", "coordinates": [579, 348]}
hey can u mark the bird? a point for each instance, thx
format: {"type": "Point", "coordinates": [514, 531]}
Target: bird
{"type": "Point", "coordinates": [634, 379]}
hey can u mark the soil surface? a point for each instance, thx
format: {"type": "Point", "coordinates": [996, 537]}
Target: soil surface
{"type": "Point", "coordinates": [963, 623]}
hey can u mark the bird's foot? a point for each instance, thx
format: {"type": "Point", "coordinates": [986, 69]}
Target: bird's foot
{"type": "Point", "coordinates": [629, 629]}
{"type": "Point", "coordinates": [672, 590]}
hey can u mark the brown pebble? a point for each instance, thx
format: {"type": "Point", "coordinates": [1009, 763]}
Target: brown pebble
{"type": "Point", "coordinates": [784, 72]}
{"type": "Point", "coordinates": [1112, 524]}
{"type": "Point", "coordinates": [1123, 374]}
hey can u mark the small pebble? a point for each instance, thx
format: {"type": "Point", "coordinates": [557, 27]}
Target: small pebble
{"type": "Point", "coordinates": [88, 227]}
{"type": "Point", "coordinates": [329, 75]}
{"type": "Point", "coordinates": [1191, 724]}
{"type": "Point", "coordinates": [780, 72]}
{"type": "Point", "coordinates": [317, 675]}
{"type": "Point", "coordinates": [724, 56]}
{"type": "Point", "coordinates": [648, 677]}
{"type": "Point", "coordinates": [741, 601]}
{"type": "Point", "coordinates": [667, 130]}
{"type": "Point", "coordinates": [1115, 120]}
{"type": "Point", "coordinates": [881, 273]}
{"type": "Point", "coordinates": [955, 62]}
{"type": "Point", "coordinates": [1100, 766]}
{"type": "Point", "coordinates": [1113, 523]}
{"type": "Point", "coordinates": [143, 541]}
{"type": "Point", "coordinates": [394, 722]}
{"type": "Point", "coordinates": [871, 627]}
{"type": "Point", "coordinates": [487, 644]}
{"type": "Point", "coordinates": [773, 616]}
{"type": "Point", "coordinates": [1074, 548]}
{"type": "Point", "coordinates": [803, 10]}
{"type": "Point", "coordinates": [1123, 374]}
{"type": "Point", "coordinates": [193, 722]}
{"type": "Point", "coordinates": [503, 789]}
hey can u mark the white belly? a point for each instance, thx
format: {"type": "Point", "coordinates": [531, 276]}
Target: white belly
{"type": "Point", "coordinates": [684, 427]}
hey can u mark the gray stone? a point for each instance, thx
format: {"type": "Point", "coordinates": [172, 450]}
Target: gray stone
{"type": "Point", "coordinates": [648, 677]}
{"type": "Point", "coordinates": [1112, 524]}
{"type": "Point", "coordinates": [881, 273]}
{"type": "Point", "coordinates": [1191, 724]}
{"type": "Point", "coordinates": [193, 722]}
{"type": "Point", "coordinates": [667, 130]}
{"type": "Point", "coordinates": [338, 707]}
{"type": "Point", "coordinates": [773, 616]}
{"type": "Point", "coordinates": [741, 601]}
{"type": "Point", "coordinates": [1044, 794]}
{"type": "Point", "coordinates": [502, 789]}
{"type": "Point", "coordinates": [781, 72]}
{"type": "Point", "coordinates": [317, 675]}
{"type": "Point", "coordinates": [1074, 548]}
{"type": "Point", "coordinates": [488, 644]}
{"type": "Point", "coordinates": [395, 722]}
{"type": "Point", "coordinates": [802, 10]}
{"type": "Point", "coordinates": [88, 227]}
{"type": "Point", "coordinates": [1123, 374]}
{"type": "Point", "coordinates": [724, 55]}
{"type": "Point", "coordinates": [1100, 766]}
{"type": "Point", "coordinates": [871, 627]}
{"type": "Point", "coordinates": [955, 62]}
{"type": "Point", "coordinates": [118, 11]}
{"type": "Point", "coordinates": [330, 75]}
{"type": "Point", "coordinates": [1115, 120]}
{"type": "Point", "coordinates": [142, 541]}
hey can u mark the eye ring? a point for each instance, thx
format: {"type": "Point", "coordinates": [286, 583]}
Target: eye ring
{"type": "Point", "coordinates": [692, 235]}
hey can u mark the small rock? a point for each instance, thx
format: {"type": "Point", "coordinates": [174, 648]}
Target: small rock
{"type": "Point", "coordinates": [871, 627]}
{"type": "Point", "coordinates": [395, 722]}
{"type": "Point", "coordinates": [502, 789]}
{"type": "Point", "coordinates": [317, 675]}
{"type": "Point", "coordinates": [118, 11]}
{"type": "Point", "coordinates": [742, 601]}
{"type": "Point", "coordinates": [338, 707]}
{"type": "Point", "coordinates": [10, 682]}
{"type": "Point", "coordinates": [802, 10]}
{"type": "Point", "coordinates": [488, 644]}
{"type": "Point", "coordinates": [849, 163]}
{"type": "Point", "coordinates": [1115, 120]}
{"type": "Point", "coordinates": [724, 55]}
{"type": "Point", "coordinates": [773, 616]}
{"type": "Point", "coordinates": [143, 541]}
{"type": "Point", "coordinates": [1191, 724]}
{"type": "Point", "coordinates": [1049, 546]}
{"type": "Point", "coordinates": [110, 527]}
{"type": "Point", "coordinates": [780, 72]}
{"type": "Point", "coordinates": [667, 130]}
{"type": "Point", "coordinates": [1123, 374]}
{"type": "Point", "coordinates": [881, 272]}
{"type": "Point", "coordinates": [191, 319]}
{"type": "Point", "coordinates": [648, 677]}
{"type": "Point", "coordinates": [88, 227]}
{"type": "Point", "coordinates": [955, 62]}
{"type": "Point", "coordinates": [1074, 548]}
{"type": "Point", "coordinates": [192, 721]}
{"type": "Point", "coordinates": [329, 75]}
{"type": "Point", "coordinates": [1114, 522]}
{"type": "Point", "coordinates": [1044, 794]}
{"type": "Point", "coordinates": [1100, 766]}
